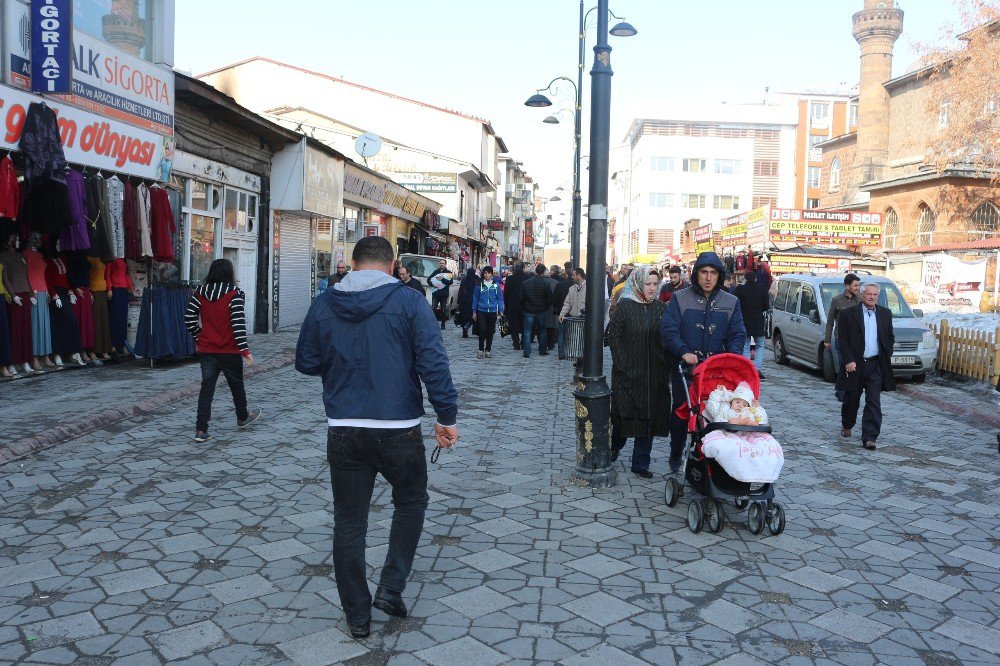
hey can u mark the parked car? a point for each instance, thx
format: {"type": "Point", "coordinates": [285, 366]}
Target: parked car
{"type": "Point", "coordinates": [422, 265]}
{"type": "Point", "coordinates": [798, 324]}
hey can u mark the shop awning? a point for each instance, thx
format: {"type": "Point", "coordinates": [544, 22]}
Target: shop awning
{"type": "Point", "coordinates": [478, 180]}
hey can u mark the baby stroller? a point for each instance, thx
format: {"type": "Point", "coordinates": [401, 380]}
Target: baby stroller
{"type": "Point", "coordinates": [705, 475]}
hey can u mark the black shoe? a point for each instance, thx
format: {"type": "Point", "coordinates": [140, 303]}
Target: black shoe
{"type": "Point", "coordinates": [614, 454]}
{"type": "Point", "coordinates": [390, 603]}
{"type": "Point", "coordinates": [544, 353]}
{"type": "Point", "coordinates": [465, 333]}
{"type": "Point", "coordinates": [562, 357]}
{"type": "Point", "coordinates": [761, 375]}
{"type": "Point", "coordinates": [643, 473]}
{"type": "Point", "coordinates": [360, 631]}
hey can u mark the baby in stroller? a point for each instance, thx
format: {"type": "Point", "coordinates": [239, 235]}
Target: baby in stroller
{"type": "Point", "coordinates": [751, 457]}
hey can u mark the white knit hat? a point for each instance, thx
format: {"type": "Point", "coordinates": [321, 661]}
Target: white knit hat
{"type": "Point", "coordinates": [744, 392]}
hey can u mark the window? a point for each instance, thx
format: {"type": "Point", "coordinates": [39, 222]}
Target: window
{"type": "Point", "coordinates": [781, 299]}
{"type": "Point", "coordinates": [835, 175]}
{"type": "Point", "coordinates": [943, 113]}
{"type": "Point", "coordinates": [661, 163]}
{"type": "Point", "coordinates": [815, 175]}
{"type": "Point", "coordinates": [817, 138]}
{"type": "Point", "coordinates": [730, 167]}
{"type": "Point", "coordinates": [726, 202]}
{"type": "Point", "coordinates": [812, 203]}
{"type": "Point", "coordinates": [89, 16]}
{"type": "Point", "coordinates": [819, 111]}
{"type": "Point", "coordinates": [202, 246]}
{"type": "Point", "coordinates": [852, 118]}
{"type": "Point", "coordinates": [765, 168]}
{"type": "Point", "coordinates": [984, 221]}
{"type": "Point", "coordinates": [692, 201]}
{"type": "Point", "coordinates": [926, 225]}
{"type": "Point", "coordinates": [694, 165]}
{"type": "Point", "coordinates": [808, 302]}
{"type": "Point", "coordinates": [890, 229]}
{"type": "Point", "coordinates": [660, 200]}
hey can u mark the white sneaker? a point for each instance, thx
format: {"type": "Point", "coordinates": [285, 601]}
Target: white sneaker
{"type": "Point", "coordinates": [480, 354]}
{"type": "Point", "coordinates": [489, 354]}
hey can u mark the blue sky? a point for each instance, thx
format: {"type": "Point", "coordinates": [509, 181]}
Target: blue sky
{"type": "Point", "coordinates": [485, 58]}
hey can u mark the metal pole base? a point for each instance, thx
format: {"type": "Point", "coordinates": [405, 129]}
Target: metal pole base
{"type": "Point", "coordinates": [593, 434]}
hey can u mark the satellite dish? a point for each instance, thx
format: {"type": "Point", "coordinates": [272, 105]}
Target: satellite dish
{"type": "Point", "coordinates": [368, 144]}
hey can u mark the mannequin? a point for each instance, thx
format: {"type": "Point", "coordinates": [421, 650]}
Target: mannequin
{"type": "Point", "coordinates": [7, 294]}
{"type": "Point", "coordinates": [119, 290]}
{"type": "Point", "coordinates": [65, 329]}
{"type": "Point", "coordinates": [79, 281]}
{"type": "Point", "coordinates": [99, 293]}
{"type": "Point", "coordinates": [15, 270]}
{"type": "Point", "coordinates": [41, 322]}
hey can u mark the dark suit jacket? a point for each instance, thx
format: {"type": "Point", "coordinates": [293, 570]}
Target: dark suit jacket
{"type": "Point", "coordinates": [851, 334]}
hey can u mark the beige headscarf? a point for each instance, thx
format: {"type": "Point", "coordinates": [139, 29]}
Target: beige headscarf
{"type": "Point", "coordinates": [633, 289]}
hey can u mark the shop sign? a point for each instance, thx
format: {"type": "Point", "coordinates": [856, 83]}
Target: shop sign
{"type": "Point", "coordinates": [703, 240]}
{"type": "Point", "coordinates": [105, 80]}
{"type": "Point", "coordinates": [949, 281]}
{"type": "Point", "coordinates": [427, 181]}
{"type": "Point", "coordinates": [51, 46]}
{"type": "Point", "coordinates": [218, 172]}
{"type": "Point", "coordinates": [529, 236]}
{"type": "Point", "coordinates": [757, 220]}
{"type": "Point", "coordinates": [734, 234]}
{"type": "Point", "coordinates": [89, 139]}
{"type": "Point", "coordinates": [828, 227]}
{"type": "Point", "coordinates": [803, 263]}
{"type": "Point", "coordinates": [371, 230]}
{"type": "Point", "coordinates": [323, 193]}
{"type": "Point", "coordinates": [363, 188]}
{"type": "Point", "coordinates": [494, 224]}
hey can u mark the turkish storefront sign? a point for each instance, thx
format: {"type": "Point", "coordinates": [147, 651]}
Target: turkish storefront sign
{"type": "Point", "coordinates": [747, 228]}
{"type": "Point", "coordinates": [703, 241]}
{"type": "Point", "coordinates": [89, 139]}
{"type": "Point", "coordinates": [428, 181]}
{"type": "Point", "coordinates": [323, 190]}
{"type": "Point", "coordinates": [51, 46]}
{"type": "Point", "coordinates": [105, 80]}
{"type": "Point", "coordinates": [494, 224]}
{"type": "Point", "coordinates": [366, 189]}
{"type": "Point", "coordinates": [825, 227]}
{"type": "Point", "coordinates": [950, 282]}
{"type": "Point", "coordinates": [529, 229]}
{"type": "Point", "coordinates": [784, 262]}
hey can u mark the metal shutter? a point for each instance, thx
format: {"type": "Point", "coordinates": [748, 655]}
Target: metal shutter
{"type": "Point", "coordinates": [295, 287]}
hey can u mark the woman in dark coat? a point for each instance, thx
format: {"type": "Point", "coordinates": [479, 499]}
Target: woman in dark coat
{"type": "Point", "coordinates": [465, 293]}
{"type": "Point", "coordinates": [512, 302]}
{"type": "Point", "coordinates": [754, 305]}
{"type": "Point", "coordinates": [640, 376]}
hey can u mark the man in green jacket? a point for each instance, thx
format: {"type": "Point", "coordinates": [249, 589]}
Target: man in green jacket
{"type": "Point", "coordinates": [852, 285]}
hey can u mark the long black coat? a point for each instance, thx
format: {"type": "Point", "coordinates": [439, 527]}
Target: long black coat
{"type": "Point", "coordinates": [512, 299]}
{"type": "Point", "coordinates": [640, 376]}
{"type": "Point", "coordinates": [851, 334]}
{"type": "Point", "coordinates": [753, 304]}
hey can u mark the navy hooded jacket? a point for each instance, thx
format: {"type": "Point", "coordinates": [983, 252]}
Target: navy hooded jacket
{"type": "Point", "coordinates": [372, 348]}
{"type": "Point", "coordinates": [703, 324]}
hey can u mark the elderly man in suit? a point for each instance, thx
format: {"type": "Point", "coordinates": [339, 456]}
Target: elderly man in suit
{"type": "Point", "coordinates": [866, 343]}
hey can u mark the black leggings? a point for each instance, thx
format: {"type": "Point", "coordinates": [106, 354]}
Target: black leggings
{"type": "Point", "coordinates": [486, 328]}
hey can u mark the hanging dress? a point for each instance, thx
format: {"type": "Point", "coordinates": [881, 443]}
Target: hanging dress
{"type": "Point", "coordinates": [15, 273]}
{"type": "Point", "coordinates": [116, 202]}
{"type": "Point", "coordinates": [41, 321]}
{"type": "Point", "coordinates": [75, 236]}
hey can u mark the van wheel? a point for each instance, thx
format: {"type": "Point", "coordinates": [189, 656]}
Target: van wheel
{"type": "Point", "coordinates": [919, 379]}
{"type": "Point", "coordinates": [829, 371]}
{"type": "Point", "coordinates": [780, 353]}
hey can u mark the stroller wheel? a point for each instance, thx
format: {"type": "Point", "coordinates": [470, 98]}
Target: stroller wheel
{"type": "Point", "coordinates": [696, 516]}
{"type": "Point", "coordinates": [755, 518]}
{"type": "Point", "coordinates": [672, 492]}
{"type": "Point", "coordinates": [776, 519]}
{"type": "Point", "coordinates": [742, 502]}
{"type": "Point", "coordinates": [716, 516]}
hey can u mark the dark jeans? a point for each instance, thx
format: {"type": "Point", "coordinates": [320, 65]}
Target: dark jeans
{"type": "Point", "coordinates": [641, 450]}
{"type": "Point", "coordinates": [231, 365]}
{"type": "Point", "coordinates": [678, 426]}
{"type": "Point", "coordinates": [871, 384]}
{"type": "Point", "coordinates": [529, 323]}
{"type": "Point", "coordinates": [486, 327]}
{"type": "Point", "coordinates": [553, 334]}
{"type": "Point", "coordinates": [562, 339]}
{"type": "Point", "coordinates": [356, 455]}
{"type": "Point", "coordinates": [439, 301]}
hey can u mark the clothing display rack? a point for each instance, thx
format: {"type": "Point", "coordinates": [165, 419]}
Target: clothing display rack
{"type": "Point", "coordinates": [161, 333]}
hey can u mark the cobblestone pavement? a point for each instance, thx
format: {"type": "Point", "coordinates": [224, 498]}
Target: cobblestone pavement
{"type": "Point", "coordinates": [132, 545]}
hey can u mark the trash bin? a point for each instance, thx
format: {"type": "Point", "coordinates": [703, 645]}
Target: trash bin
{"type": "Point", "coordinates": [573, 338]}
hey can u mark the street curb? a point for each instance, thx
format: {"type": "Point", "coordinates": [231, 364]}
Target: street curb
{"type": "Point", "coordinates": [25, 446]}
{"type": "Point", "coordinates": [959, 410]}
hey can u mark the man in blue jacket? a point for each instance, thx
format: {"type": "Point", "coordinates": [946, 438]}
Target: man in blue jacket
{"type": "Point", "coordinates": [373, 341]}
{"type": "Point", "coordinates": [699, 321]}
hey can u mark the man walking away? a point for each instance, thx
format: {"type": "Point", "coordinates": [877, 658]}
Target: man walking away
{"type": "Point", "coordinates": [563, 285]}
{"type": "Point", "coordinates": [673, 284]}
{"type": "Point", "coordinates": [552, 321]}
{"type": "Point", "coordinates": [753, 306]}
{"type": "Point", "coordinates": [866, 340]}
{"type": "Point", "coordinates": [536, 299]}
{"type": "Point", "coordinates": [439, 298]}
{"type": "Point", "coordinates": [574, 303]}
{"type": "Point", "coordinates": [373, 341]}
{"type": "Point", "coordinates": [216, 320]}
{"type": "Point", "coordinates": [512, 302]}
{"type": "Point", "coordinates": [839, 303]}
{"type": "Point", "coordinates": [697, 323]}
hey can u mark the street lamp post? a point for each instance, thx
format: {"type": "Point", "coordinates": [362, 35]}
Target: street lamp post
{"type": "Point", "coordinates": [593, 396]}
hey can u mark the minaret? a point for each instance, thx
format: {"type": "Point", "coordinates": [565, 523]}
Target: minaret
{"type": "Point", "coordinates": [876, 29]}
{"type": "Point", "coordinates": [124, 28]}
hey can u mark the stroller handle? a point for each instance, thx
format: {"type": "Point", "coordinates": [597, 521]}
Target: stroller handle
{"type": "Point", "coordinates": [681, 370]}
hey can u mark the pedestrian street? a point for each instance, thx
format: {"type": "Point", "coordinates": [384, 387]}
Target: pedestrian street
{"type": "Point", "coordinates": [133, 545]}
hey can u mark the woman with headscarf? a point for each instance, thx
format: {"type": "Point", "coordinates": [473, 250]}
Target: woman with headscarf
{"type": "Point", "coordinates": [465, 293]}
{"type": "Point", "coordinates": [640, 377]}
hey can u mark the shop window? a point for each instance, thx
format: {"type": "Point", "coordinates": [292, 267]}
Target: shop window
{"type": "Point", "coordinates": [926, 225]}
{"type": "Point", "coordinates": [202, 246]}
{"type": "Point", "coordinates": [890, 231]}
{"type": "Point", "coordinates": [232, 209]}
{"type": "Point", "coordinates": [118, 23]}
{"type": "Point", "coordinates": [352, 221]}
{"type": "Point", "coordinates": [985, 221]}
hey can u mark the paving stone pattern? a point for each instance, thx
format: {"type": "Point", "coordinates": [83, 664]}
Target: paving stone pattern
{"type": "Point", "coordinates": [133, 545]}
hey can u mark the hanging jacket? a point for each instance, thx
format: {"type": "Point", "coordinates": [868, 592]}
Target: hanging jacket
{"type": "Point", "coordinates": [116, 202]}
{"type": "Point", "coordinates": [10, 193]}
{"type": "Point", "coordinates": [133, 249]}
{"type": "Point", "coordinates": [117, 275]}
{"type": "Point", "coordinates": [216, 319]}
{"type": "Point", "coordinates": [76, 236]}
{"type": "Point", "coordinates": [487, 298]}
{"type": "Point", "coordinates": [143, 209]}
{"type": "Point", "coordinates": [97, 225]}
{"type": "Point", "coordinates": [162, 223]}
{"type": "Point", "coordinates": [41, 145]}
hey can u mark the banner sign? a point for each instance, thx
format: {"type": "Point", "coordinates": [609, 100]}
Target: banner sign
{"type": "Point", "coordinates": [361, 187]}
{"type": "Point", "coordinates": [827, 227]}
{"type": "Point", "coordinates": [950, 282]}
{"type": "Point", "coordinates": [100, 78]}
{"type": "Point", "coordinates": [703, 239]}
{"type": "Point", "coordinates": [494, 224]}
{"type": "Point", "coordinates": [90, 139]}
{"type": "Point", "coordinates": [51, 46]}
{"type": "Point", "coordinates": [803, 263]}
{"type": "Point", "coordinates": [323, 190]}
{"type": "Point", "coordinates": [529, 237]}
{"type": "Point", "coordinates": [428, 181]}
